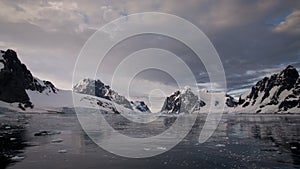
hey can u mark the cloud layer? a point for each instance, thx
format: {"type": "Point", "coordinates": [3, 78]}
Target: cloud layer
{"type": "Point", "coordinates": [253, 38]}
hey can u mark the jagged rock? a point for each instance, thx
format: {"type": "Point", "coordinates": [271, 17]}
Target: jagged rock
{"type": "Point", "coordinates": [184, 101]}
{"type": "Point", "coordinates": [99, 89]}
{"type": "Point", "coordinates": [285, 80]}
{"type": "Point", "coordinates": [93, 87]}
{"type": "Point", "coordinates": [140, 105]}
{"type": "Point", "coordinates": [241, 101]}
{"type": "Point", "coordinates": [288, 104]}
{"type": "Point", "coordinates": [230, 101]}
{"type": "Point", "coordinates": [15, 79]}
{"type": "Point", "coordinates": [108, 106]}
{"type": "Point", "coordinates": [172, 103]}
{"type": "Point", "coordinates": [269, 91]}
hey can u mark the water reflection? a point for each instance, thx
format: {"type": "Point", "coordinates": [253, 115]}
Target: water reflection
{"type": "Point", "coordinates": [240, 141]}
{"type": "Point", "coordinates": [278, 134]}
{"type": "Point", "coordinates": [12, 142]}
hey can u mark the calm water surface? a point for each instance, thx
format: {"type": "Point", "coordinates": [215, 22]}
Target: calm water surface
{"type": "Point", "coordinates": [241, 141]}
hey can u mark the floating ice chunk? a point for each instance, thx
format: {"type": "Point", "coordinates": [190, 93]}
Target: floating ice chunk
{"type": "Point", "coordinates": [161, 148]}
{"type": "Point", "coordinates": [220, 145]}
{"type": "Point", "coordinates": [62, 151]}
{"type": "Point", "coordinates": [17, 158]}
{"type": "Point", "coordinates": [46, 133]}
{"type": "Point", "coordinates": [59, 140]}
{"type": "Point", "coordinates": [54, 132]}
{"type": "Point", "coordinates": [147, 149]}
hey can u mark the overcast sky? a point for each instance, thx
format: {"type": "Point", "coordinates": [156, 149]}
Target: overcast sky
{"type": "Point", "coordinates": [253, 38]}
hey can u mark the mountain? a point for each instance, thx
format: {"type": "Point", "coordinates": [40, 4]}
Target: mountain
{"type": "Point", "coordinates": [140, 106]}
{"type": "Point", "coordinates": [278, 93]}
{"type": "Point", "coordinates": [184, 101]}
{"type": "Point", "coordinates": [15, 79]}
{"type": "Point", "coordinates": [99, 89]}
{"type": "Point", "coordinates": [187, 101]}
{"type": "Point", "coordinates": [19, 89]}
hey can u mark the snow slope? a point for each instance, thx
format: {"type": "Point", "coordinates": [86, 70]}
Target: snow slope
{"type": "Point", "coordinates": [279, 93]}
{"type": "Point", "coordinates": [57, 102]}
{"type": "Point", "coordinates": [64, 99]}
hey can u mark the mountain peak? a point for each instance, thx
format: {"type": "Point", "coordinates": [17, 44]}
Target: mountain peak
{"type": "Point", "coordinates": [278, 92]}
{"type": "Point", "coordinates": [184, 101]}
{"type": "Point", "coordinates": [186, 89]}
{"type": "Point", "coordinates": [91, 87]}
{"type": "Point", "coordinates": [96, 87]}
{"type": "Point", "coordinates": [289, 74]}
{"type": "Point", "coordinates": [15, 79]}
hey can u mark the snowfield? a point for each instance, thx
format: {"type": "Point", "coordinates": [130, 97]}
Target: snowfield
{"type": "Point", "coordinates": [46, 102]}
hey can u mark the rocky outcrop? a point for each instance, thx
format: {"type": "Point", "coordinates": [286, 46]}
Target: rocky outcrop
{"type": "Point", "coordinates": [278, 93]}
{"type": "Point", "coordinates": [15, 79]}
{"type": "Point", "coordinates": [140, 106]}
{"type": "Point", "coordinates": [230, 101]}
{"type": "Point", "coordinates": [99, 89]}
{"type": "Point", "coordinates": [184, 101]}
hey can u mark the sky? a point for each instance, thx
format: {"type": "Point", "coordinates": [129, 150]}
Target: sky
{"type": "Point", "coordinates": [253, 38]}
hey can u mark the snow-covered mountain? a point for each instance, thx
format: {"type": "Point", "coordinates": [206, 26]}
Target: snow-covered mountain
{"type": "Point", "coordinates": [65, 99]}
{"type": "Point", "coordinates": [15, 79]}
{"type": "Point", "coordinates": [184, 101]}
{"type": "Point", "coordinates": [278, 93]}
{"type": "Point", "coordinates": [19, 89]}
{"type": "Point", "coordinates": [99, 89]}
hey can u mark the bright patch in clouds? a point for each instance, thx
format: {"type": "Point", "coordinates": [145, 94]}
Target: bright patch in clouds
{"type": "Point", "coordinates": [291, 24]}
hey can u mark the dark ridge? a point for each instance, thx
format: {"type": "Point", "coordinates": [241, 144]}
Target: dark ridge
{"type": "Point", "coordinates": [15, 79]}
{"type": "Point", "coordinates": [287, 79]}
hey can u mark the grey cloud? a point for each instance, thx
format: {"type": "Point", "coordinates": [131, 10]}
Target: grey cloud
{"type": "Point", "coordinates": [48, 36]}
{"type": "Point", "coordinates": [291, 24]}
